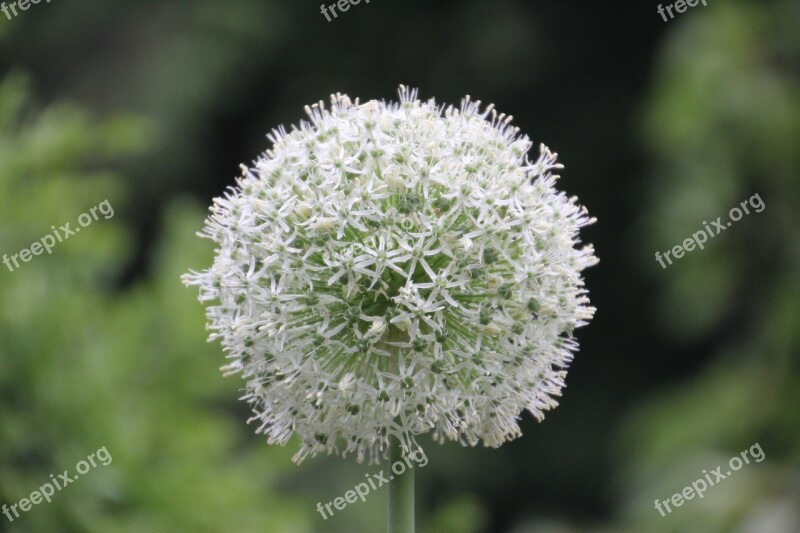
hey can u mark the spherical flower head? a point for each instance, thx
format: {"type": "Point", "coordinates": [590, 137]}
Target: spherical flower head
{"type": "Point", "coordinates": [391, 269]}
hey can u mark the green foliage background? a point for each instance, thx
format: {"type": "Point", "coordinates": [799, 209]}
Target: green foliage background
{"type": "Point", "coordinates": [152, 106]}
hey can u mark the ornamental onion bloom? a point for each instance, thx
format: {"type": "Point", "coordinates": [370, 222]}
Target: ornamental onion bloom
{"type": "Point", "coordinates": [390, 269]}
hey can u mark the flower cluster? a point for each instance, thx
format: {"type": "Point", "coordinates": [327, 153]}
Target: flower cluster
{"type": "Point", "coordinates": [390, 269]}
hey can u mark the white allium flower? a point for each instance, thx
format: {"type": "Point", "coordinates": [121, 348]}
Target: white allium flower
{"type": "Point", "coordinates": [389, 269]}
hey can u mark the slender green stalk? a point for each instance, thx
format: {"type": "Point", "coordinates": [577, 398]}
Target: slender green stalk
{"type": "Point", "coordinates": [401, 493]}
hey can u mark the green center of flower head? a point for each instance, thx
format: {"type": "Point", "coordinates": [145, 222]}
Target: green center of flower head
{"type": "Point", "coordinates": [391, 269]}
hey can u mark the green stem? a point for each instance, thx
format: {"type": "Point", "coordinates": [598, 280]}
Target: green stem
{"type": "Point", "coordinates": [401, 493]}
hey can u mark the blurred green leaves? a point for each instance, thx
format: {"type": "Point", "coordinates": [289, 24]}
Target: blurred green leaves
{"type": "Point", "coordinates": [84, 365]}
{"type": "Point", "coordinates": [723, 123]}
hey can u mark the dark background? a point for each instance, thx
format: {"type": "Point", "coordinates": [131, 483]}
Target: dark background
{"type": "Point", "coordinates": [660, 126]}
